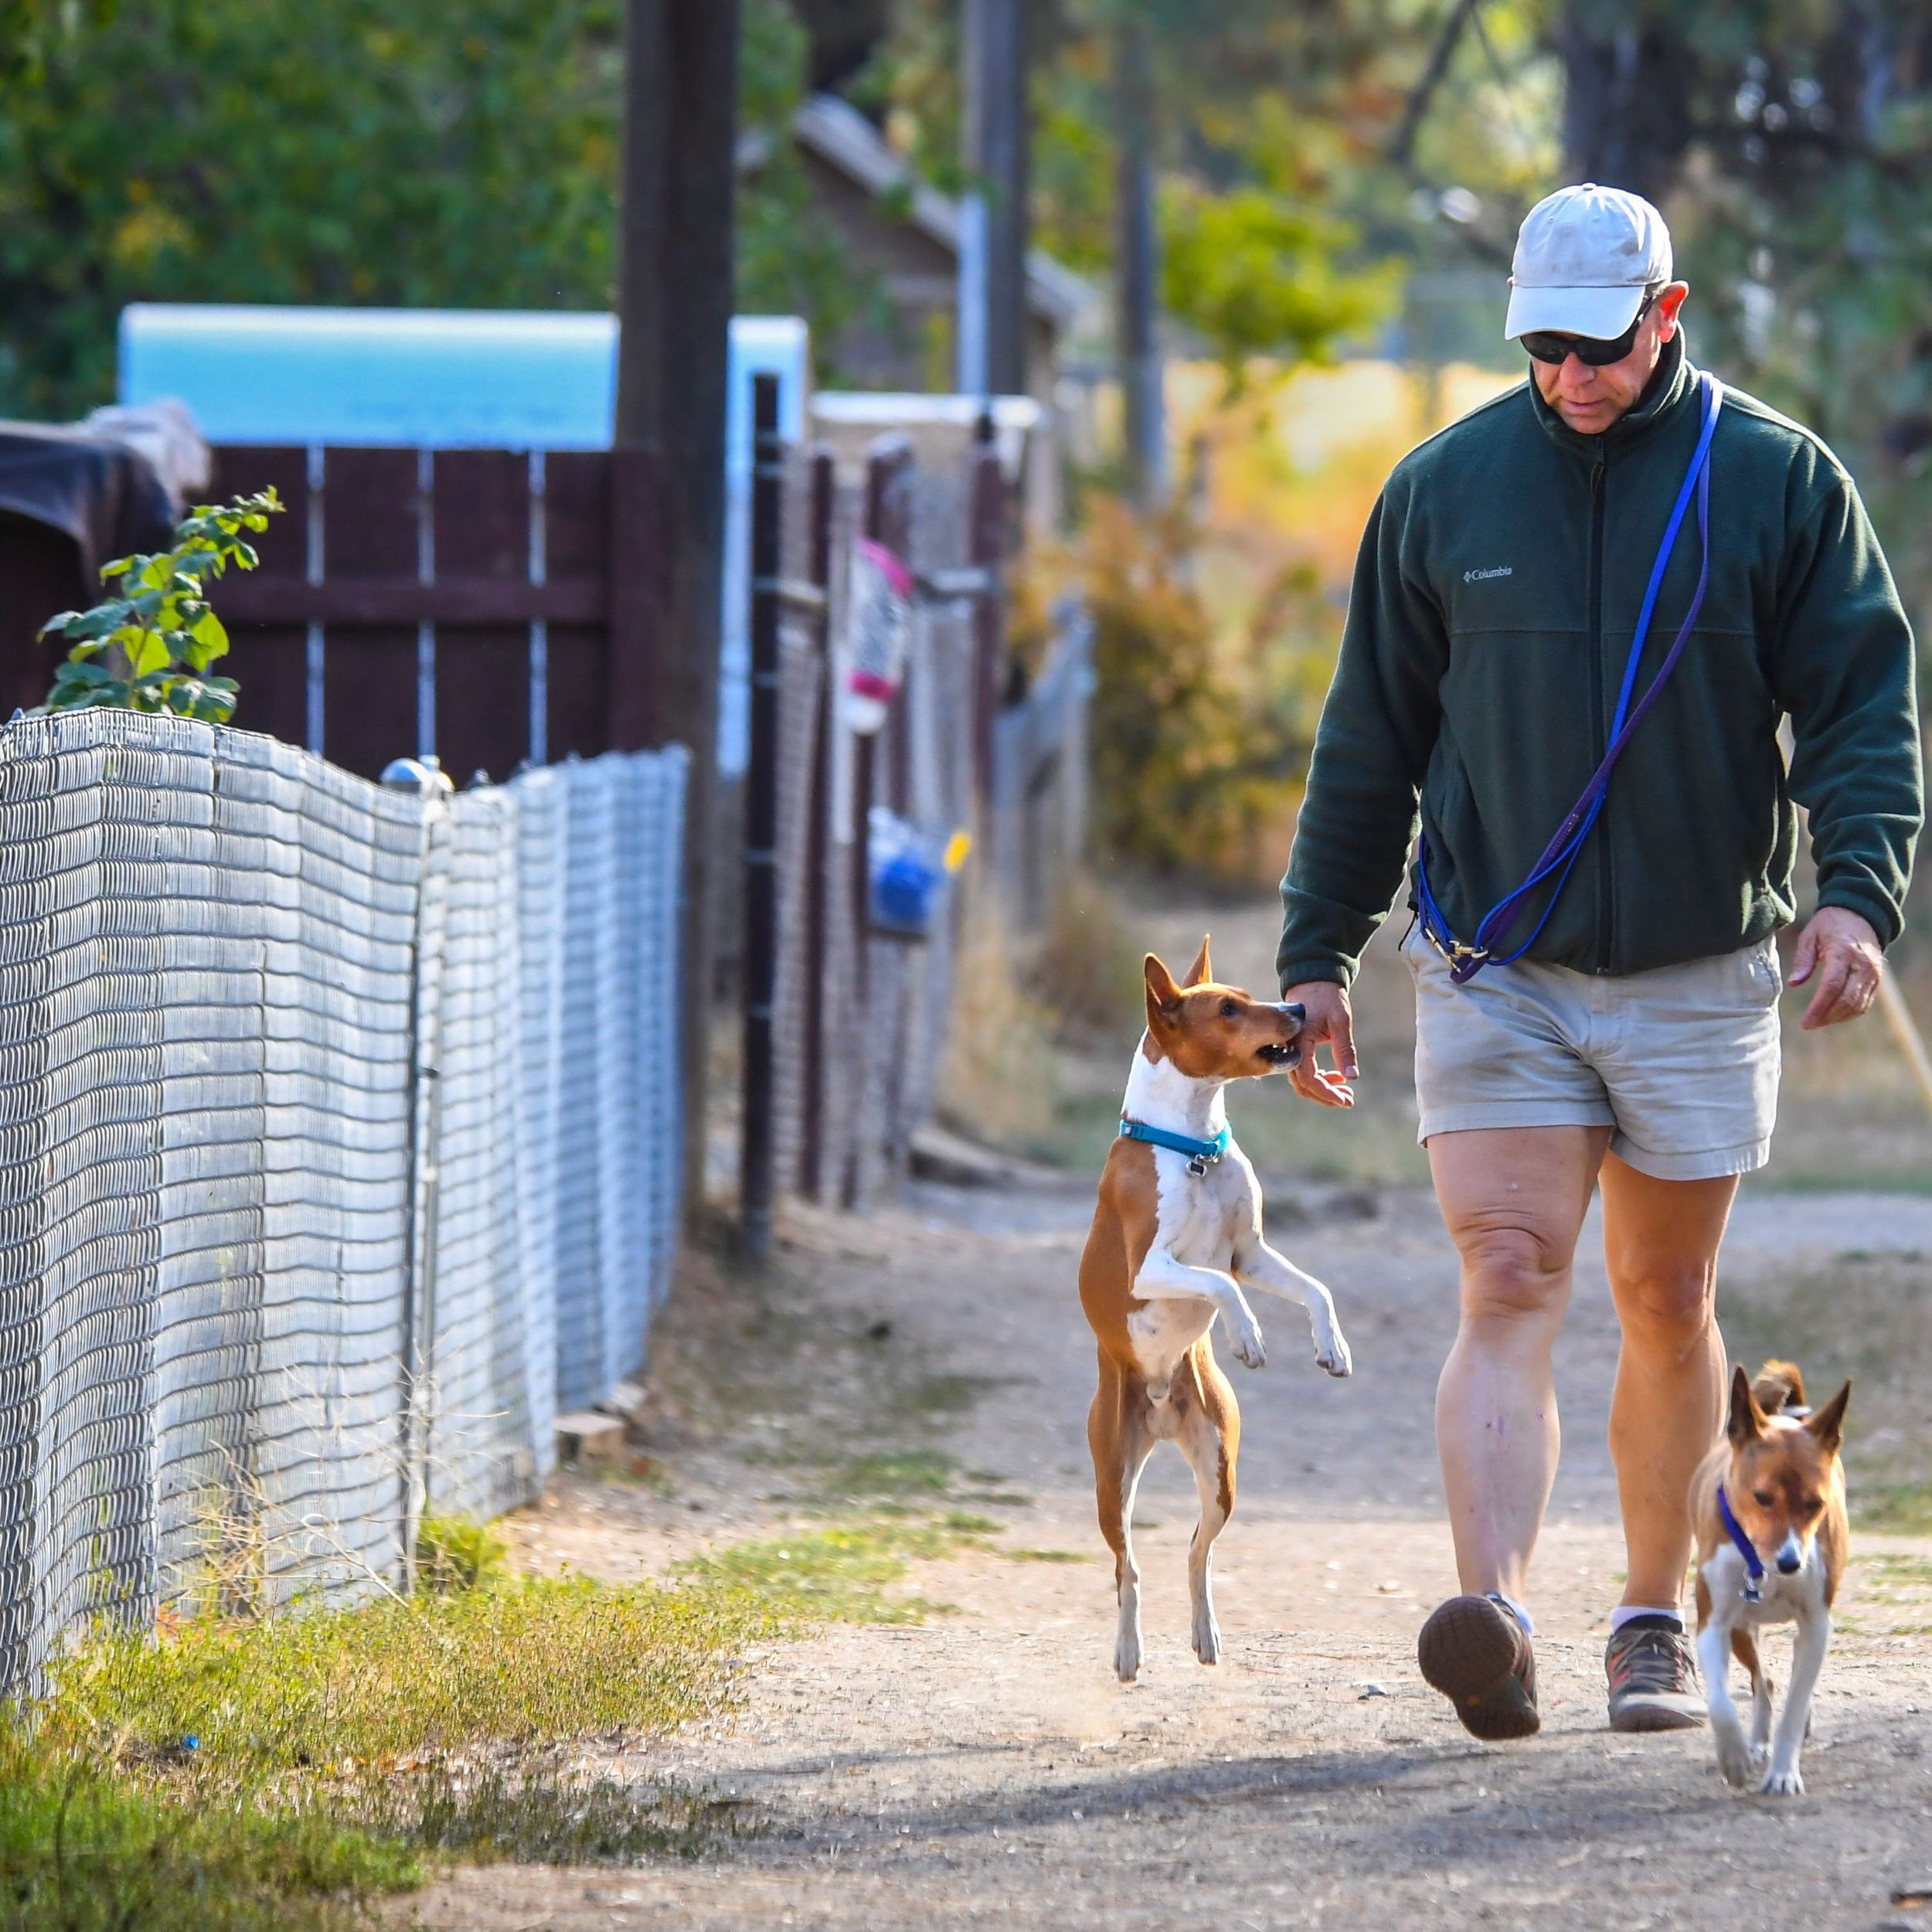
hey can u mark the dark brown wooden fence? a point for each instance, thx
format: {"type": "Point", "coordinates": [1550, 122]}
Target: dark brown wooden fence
{"type": "Point", "coordinates": [489, 606]}
{"type": "Point", "coordinates": [846, 1025]}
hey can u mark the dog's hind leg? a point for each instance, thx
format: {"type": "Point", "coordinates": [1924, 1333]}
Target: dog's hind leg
{"type": "Point", "coordinates": [1118, 1434]}
{"type": "Point", "coordinates": [1744, 1643]}
{"type": "Point", "coordinates": [1209, 1434]}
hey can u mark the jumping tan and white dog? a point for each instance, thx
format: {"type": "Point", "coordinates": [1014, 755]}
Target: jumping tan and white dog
{"type": "Point", "coordinates": [1176, 1237]}
{"type": "Point", "coordinates": [1768, 1504]}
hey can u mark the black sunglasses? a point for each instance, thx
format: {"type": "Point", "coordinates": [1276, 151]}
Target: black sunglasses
{"type": "Point", "coordinates": [1593, 351]}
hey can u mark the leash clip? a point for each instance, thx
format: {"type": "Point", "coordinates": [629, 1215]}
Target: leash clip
{"type": "Point", "coordinates": [1752, 1593]}
{"type": "Point", "coordinates": [1455, 953]}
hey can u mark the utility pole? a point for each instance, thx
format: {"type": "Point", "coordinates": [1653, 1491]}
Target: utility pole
{"type": "Point", "coordinates": [674, 304]}
{"type": "Point", "coordinates": [1137, 253]}
{"type": "Point", "coordinates": [993, 211]}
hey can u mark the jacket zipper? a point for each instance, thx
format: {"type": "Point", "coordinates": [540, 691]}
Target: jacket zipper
{"type": "Point", "coordinates": [1600, 722]}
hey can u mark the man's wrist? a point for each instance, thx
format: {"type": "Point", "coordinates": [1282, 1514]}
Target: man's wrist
{"type": "Point", "coordinates": [1307, 972]}
{"type": "Point", "coordinates": [1884, 926]}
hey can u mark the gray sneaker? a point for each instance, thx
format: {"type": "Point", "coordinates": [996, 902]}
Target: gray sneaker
{"type": "Point", "coordinates": [1653, 1679]}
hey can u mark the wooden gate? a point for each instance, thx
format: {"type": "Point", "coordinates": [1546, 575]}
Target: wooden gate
{"type": "Point", "coordinates": [487, 606]}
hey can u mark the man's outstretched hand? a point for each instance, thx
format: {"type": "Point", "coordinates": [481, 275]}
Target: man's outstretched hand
{"type": "Point", "coordinates": [1328, 1022]}
{"type": "Point", "coordinates": [1841, 951]}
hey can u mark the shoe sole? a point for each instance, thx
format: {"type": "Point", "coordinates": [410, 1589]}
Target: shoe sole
{"type": "Point", "coordinates": [1467, 1652]}
{"type": "Point", "coordinates": [1656, 1717]}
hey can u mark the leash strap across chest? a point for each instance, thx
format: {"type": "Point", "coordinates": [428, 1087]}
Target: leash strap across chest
{"type": "Point", "coordinates": [1561, 855]}
{"type": "Point", "coordinates": [1202, 1155]}
{"type": "Point", "coordinates": [1753, 1562]}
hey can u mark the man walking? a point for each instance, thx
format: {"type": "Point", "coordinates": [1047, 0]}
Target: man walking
{"type": "Point", "coordinates": [1616, 1026]}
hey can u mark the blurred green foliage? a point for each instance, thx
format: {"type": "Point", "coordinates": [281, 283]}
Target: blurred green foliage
{"type": "Point", "coordinates": [1792, 152]}
{"type": "Point", "coordinates": [1200, 734]}
{"type": "Point", "coordinates": [1261, 112]}
{"type": "Point", "coordinates": [357, 151]}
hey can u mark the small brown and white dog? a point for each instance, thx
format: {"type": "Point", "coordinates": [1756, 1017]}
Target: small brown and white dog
{"type": "Point", "coordinates": [1768, 1506]}
{"type": "Point", "coordinates": [1176, 1237]}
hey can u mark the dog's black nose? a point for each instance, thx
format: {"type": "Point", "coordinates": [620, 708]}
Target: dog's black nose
{"type": "Point", "coordinates": [1296, 1011]}
{"type": "Point", "coordinates": [1791, 1565]}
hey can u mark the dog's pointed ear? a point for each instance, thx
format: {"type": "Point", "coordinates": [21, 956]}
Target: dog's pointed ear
{"type": "Point", "coordinates": [1201, 971]}
{"type": "Point", "coordinates": [1163, 996]}
{"type": "Point", "coordinates": [1746, 1421]}
{"type": "Point", "coordinates": [1827, 1423]}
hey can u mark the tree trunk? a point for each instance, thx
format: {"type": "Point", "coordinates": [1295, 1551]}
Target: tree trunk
{"type": "Point", "coordinates": [1140, 359]}
{"type": "Point", "coordinates": [1002, 163]}
{"type": "Point", "coordinates": [1626, 105]}
{"type": "Point", "coordinates": [674, 284]}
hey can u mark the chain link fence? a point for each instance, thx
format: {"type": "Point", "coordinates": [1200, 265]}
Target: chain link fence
{"type": "Point", "coordinates": [338, 1142]}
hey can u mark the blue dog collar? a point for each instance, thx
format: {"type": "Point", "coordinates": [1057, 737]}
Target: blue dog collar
{"type": "Point", "coordinates": [1747, 1549]}
{"type": "Point", "coordinates": [1201, 1155]}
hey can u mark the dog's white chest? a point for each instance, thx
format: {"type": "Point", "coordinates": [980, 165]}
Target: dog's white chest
{"type": "Point", "coordinates": [1200, 1215]}
{"type": "Point", "coordinates": [1781, 1599]}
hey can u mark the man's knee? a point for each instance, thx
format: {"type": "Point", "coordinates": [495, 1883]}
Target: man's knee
{"type": "Point", "coordinates": [1668, 1307]}
{"type": "Point", "coordinates": [1512, 1273]}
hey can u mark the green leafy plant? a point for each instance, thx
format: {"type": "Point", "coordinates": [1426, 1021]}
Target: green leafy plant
{"type": "Point", "coordinates": [453, 1553]}
{"type": "Point", "coordinates": [149, 648]}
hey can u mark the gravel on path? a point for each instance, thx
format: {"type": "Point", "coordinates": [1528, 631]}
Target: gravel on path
{"type": "Point", "coordinates": [984, 1768]}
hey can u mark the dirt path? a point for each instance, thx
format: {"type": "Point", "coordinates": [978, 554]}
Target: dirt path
{"type": "Point", "coordinates": [983, 1768]}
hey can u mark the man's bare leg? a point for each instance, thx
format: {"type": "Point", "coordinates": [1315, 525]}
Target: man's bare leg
{"type": "Point", "coordinates": [1660, 1243]}
{"type": "Point", "coordinates": [1514, 1200]}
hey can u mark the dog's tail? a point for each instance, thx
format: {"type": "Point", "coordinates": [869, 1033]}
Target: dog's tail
{"type": "Point", "coordinates": [1778, 1385]}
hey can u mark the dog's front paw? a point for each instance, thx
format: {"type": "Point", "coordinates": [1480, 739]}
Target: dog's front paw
{"type": "Point", "coordinates": [1333, 1354]}
{"type": "Point", "coordinates": [1127, 1656]}
{"type": "Point", "coordinates": [1783, 1783]}
{"type": "Point", "coordinates": [1735, 1757]}
{"type": "Point", "coordinates": [1244, 1335]}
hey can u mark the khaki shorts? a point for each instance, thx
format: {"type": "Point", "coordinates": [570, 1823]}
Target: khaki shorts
{"type": "Point", "coordinates": [1682, 1061]}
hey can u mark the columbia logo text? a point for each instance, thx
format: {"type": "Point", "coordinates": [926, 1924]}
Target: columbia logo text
{"type": "Point", "coordinates": [1500, 570]}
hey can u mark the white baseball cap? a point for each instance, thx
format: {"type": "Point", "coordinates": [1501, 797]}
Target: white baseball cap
{"type": "Point", "coordinates": [1584, 256]}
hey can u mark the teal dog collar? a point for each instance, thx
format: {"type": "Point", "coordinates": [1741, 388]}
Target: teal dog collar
{"type": "Point", "coordinates": [1201, 1155]}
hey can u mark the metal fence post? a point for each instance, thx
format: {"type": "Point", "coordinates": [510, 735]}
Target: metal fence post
{"type": "Point", "coordinates": [761, 816]}
{"type": "Point", "coordinates": [419, 1285]}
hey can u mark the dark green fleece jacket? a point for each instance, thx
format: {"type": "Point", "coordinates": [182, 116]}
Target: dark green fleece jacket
{"type": "Point", "coordinates": [1495, 601]}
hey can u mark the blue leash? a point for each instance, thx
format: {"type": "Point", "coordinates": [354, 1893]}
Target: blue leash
{"type": "Point", "coordinates": [1561, 855]}
{"type": "Point", "coordinates": [1753, 1562]}
{"type": "Point", "coordinates": [1202, 1155]}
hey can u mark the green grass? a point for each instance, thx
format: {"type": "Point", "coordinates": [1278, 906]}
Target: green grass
{"type": "Point", "coordinates": [898, 1477]}
{"type": "Point", "coordinates": [841, 1574]}
{"type": "Point", "coordinates": [82, 1850]}
{"type": "Point", "coordinates": [932, 1397]}
{"type": "Point", "coordinates": [453, 1553]}
{"type": "Point", "coordinates": [284, 1771]}
{"type": "Point", "coordinates": [1903, 1508]}
{"type": "Point", "coordinates": [523, 1662]}
{"type": "Point", "coordinates": [539, 1818]}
